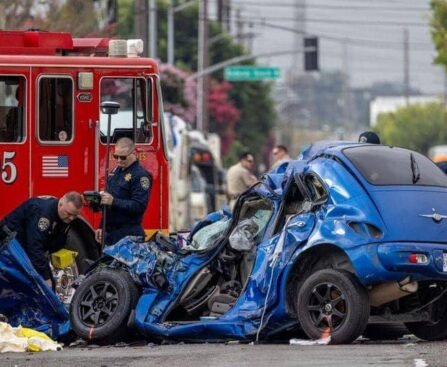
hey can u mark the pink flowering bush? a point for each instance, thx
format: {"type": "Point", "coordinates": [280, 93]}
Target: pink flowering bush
{"type": "Point", "coordinates": [180, 98]}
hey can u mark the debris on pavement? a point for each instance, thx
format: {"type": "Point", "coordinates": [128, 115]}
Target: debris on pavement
{"type": "Point", "coordinates": [19, 339]}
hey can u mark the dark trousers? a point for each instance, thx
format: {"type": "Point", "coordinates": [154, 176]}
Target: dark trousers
{"type": "Point", "coordinates": [113, 235]}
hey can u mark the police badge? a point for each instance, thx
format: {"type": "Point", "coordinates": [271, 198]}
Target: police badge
{"type": "Point", "coordinates": [128, 177]}
{"type": "Point", "coordinates": [145, 183]}
{"type": "Point", "coordinates": [43, 224]}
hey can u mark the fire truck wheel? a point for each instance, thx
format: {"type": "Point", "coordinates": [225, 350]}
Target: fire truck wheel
{"type": "Point", "coordinates": [333, 302]}
{"type": "Point", "coordinates": [75, 243]}
{"type": "Point", "coordinates": [101, 306]}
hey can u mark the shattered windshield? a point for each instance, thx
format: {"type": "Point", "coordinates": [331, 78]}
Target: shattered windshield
{"type": "Point", "coordinates": [206, 237]}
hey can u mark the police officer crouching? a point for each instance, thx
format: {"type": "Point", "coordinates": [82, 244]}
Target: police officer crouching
{"type": "Point", "coordinates": [41, 225]}
{"type": "Point", "coordinates": [129, 186]}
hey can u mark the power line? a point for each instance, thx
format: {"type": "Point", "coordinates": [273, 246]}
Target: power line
{"type": "Point", "coordinates": [360, 42]}
{"type": "Point", "coordinates": [332, 6]}
{"type": "Point", "coordinates": [390, 23]}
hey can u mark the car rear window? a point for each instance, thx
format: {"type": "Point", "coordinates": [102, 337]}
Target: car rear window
{"type": "Point", "coordinates": [383, 165]}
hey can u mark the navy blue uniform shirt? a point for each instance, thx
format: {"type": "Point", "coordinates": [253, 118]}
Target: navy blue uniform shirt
{"type": "Point", "coordinates": [130, 188]}
{"type": "Point", "coordinates": [39, 230]}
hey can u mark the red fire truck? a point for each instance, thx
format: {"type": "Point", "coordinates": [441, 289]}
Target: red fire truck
{"type": "Point", "coordinates": [52, 131]}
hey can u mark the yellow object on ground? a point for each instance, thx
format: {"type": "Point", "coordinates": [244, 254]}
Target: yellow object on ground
{"type": "Point", "coordinates": [9, 342]}
{"type": "Point", "coordinates": [21, 339]}
{"type": "Point", "coordinates": [63, 258]}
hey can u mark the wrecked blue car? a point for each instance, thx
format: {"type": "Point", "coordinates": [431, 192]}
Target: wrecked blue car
{"type": "Point", "coordinates": [25, 298]}
{"type": "Point", "coordinates": [345, 235]}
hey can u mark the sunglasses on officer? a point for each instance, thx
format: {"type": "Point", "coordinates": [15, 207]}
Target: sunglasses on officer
{"type": "Point", "coordinates": [119, 157]}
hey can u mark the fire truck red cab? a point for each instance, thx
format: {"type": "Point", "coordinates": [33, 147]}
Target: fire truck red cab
{"type": "Point", "coordinates": [52, 130]}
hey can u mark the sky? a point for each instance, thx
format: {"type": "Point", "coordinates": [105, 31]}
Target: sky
{"type": "Point", "coordinates": [365, 38]}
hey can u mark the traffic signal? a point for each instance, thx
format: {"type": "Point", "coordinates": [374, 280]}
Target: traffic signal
{"type": "Point", "coordinates": [311, 53]}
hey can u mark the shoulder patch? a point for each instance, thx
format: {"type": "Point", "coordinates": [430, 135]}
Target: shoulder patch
{"type": "Point", "coordinates": [145, 183]}
{"type": "Point", "coordinates": [43, 224]}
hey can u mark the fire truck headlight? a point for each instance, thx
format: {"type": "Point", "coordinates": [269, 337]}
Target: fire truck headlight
{"type": "Point", "coordinates": [135, 47]}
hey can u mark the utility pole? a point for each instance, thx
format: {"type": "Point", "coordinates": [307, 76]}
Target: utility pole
{"type": "Point", "coordinates": [239, 26]}
{"type": "Point", "coordinates": [171, 36]}
{"type": "Point", "coordinates": [406, 67]}
{"type": "Point", "coordinates": [300, 25]}
{"type": "Point", "coordinates": [346, 89]}
{"type": "Point", "coordinates": [140, 26]}
{"type": "Point", "coordinates": [2, 16]}
{"type": "Point", "coordinates": [152, 28]}
{"type": "Point", "coordinates": [223, 14]}
{"type": "Point", "coordinates": [250, 37]}
{"type": "Point", "coordinates": [445, 88]}
{"type": "Point", "coordinates": [202, 63]}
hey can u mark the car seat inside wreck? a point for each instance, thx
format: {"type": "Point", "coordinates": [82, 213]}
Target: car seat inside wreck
{"type": "Point", "coordinates": [216, 286]}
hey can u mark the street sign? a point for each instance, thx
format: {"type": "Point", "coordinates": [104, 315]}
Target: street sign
{"type": "Point", "coordinates": [250, 73]}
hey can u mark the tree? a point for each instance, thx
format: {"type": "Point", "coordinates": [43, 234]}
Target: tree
{"type": "Point", "coordinates": [79, 17]}
{"type": "Point", "coordinates": [439, 30]}
{"type": "Point", "coordinates": [416, 127]}
{"type": "Point", "coordinates": [253, 99]}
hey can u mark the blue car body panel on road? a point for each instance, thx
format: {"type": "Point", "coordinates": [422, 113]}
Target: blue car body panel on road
{"type": "Point", "coordinates": [25, 297]}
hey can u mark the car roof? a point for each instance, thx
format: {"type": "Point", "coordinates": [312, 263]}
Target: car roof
{"type": "Point", "coordinates": [322, 146]}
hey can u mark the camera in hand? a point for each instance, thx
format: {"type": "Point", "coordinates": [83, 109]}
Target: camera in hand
{"type": "Point", "coordinates": [94, 200]}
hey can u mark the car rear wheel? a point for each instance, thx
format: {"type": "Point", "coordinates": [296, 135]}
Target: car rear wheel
{"type": "Point", "coordinates": [333, 302]}
{"type": "Point", "coordinates": [101, 306]}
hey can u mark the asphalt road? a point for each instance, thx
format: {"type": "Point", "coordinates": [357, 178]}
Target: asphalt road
{"type": "Point", "coordinates": [402, 353]}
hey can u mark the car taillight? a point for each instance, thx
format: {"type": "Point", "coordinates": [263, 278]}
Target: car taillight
{"type": "Point", "coordinates": [418, 259]}
{"type": "Point", "coordinates": [365, 229]}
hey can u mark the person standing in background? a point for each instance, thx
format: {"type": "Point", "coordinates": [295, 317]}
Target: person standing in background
{"type": "Point", "coordinates": [240, 177]}
{"type": "Point", "coordinates": [280, 155]}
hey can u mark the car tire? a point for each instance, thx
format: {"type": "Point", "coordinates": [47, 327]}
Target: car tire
{"type": "Point", "coordinates": [101, 306]}
{"type": "Point", "coordinates": [333, 301]}
{"type": "Point", "coordinates": [385, 331]}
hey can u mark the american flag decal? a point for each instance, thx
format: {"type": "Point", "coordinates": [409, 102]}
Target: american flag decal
{"type": "Point", "coordinates": [54, 166]}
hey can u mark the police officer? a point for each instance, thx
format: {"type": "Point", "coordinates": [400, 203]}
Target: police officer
{"type": "Point", "coordinates": [41, 225]}
{"type": "Point", "coordinates": [129, 186]}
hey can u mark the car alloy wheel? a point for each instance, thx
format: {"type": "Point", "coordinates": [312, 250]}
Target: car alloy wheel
{"type": "Point", "coordinates": [333, 302]}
